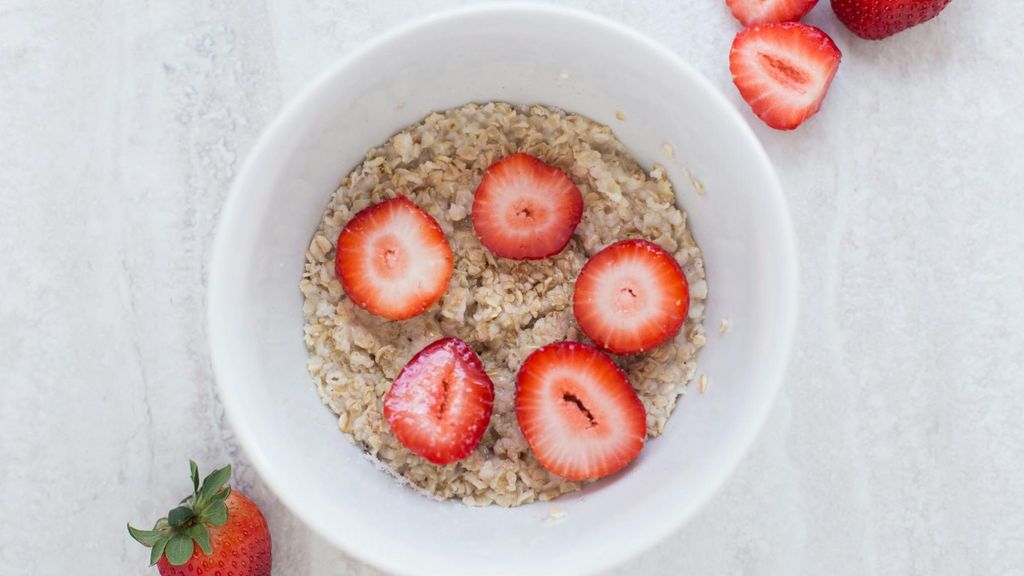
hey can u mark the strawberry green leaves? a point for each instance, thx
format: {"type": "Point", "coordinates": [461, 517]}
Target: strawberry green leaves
{"type": "Point", "coordinates": [179, 549]}
{"type": "Point", "coordinates": [201, 536]}
{"type": "Point", "coordinates": [214, 482]}
{"type": "Point", "coordinates": [176, 535]}
{"type": "Point", "coordinates": [157, 539]}
{"type": "Point", "coordinates": [179, 516]}
{"type": "Point", "coordinates": [158, 550]}
{"type": "Point", "coordinates": [145, 537]}
{"type": "Point", "coordinates": [217, 513]}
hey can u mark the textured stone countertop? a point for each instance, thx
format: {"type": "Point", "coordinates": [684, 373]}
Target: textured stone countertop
{"type": "Point", "coordinates": [895, 447]}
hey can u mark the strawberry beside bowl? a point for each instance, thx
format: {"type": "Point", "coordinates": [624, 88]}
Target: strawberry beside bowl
{"type": "Point", "coordinates": [522, 54]}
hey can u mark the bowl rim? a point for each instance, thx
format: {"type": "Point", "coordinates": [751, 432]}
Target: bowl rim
{"type": "Point", "coordinates": [280, 125]}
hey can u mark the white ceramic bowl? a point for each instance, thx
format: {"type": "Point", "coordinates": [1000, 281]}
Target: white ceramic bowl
{"type": "Point", "coordinates": [522, 54]}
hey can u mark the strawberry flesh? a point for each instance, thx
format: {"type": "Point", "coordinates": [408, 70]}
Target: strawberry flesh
{"type": "Point", "coordinates": [525, 209]}
{"type": "Point", "coordinates": [393, 259]}
{"type": "Point", "coordinates": [753, 12]}
{"type": "Point", "coordinates": [630, 297]}
{"type": "Point", "coordinates": [440, 404]}
{"type": "Point", "coordinates": [578, 411]}
{"type": "Point", "coordinates": [877, 19]}
{"type": "Point", "coordinates": [783, 71]}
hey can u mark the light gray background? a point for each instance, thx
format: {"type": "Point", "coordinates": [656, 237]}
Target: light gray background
{"type": "Point", "coordinates": [895, 446]}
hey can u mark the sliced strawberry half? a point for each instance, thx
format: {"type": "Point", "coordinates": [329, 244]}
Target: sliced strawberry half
{"type": "Point", "coordinates": [630, 297]}
{"type": "Point", "coordinates": [440, 403]}
{"type": "Point", "coordinates": [578, 411]}
{"type": "Point", "coordinates": [393, 259]}
{"type": "Point", "coordinates": [525, 209]}
{"type": "Point", "coordinates": [752, 12]}
{"type": "Point", "coordinates": [783, 71]}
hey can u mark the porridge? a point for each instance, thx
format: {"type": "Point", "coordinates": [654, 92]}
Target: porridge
{"type": "Point", "coordinates": [504, 309]}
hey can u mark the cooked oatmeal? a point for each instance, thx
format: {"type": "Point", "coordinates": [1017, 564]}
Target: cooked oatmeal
{"type": "Point", "coordinates": [504, 309]}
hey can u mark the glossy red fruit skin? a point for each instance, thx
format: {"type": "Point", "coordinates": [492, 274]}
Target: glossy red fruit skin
{"type": "Point", "coordinates": [241, 547]}
{"type": "Point", "coordinates": [878, 19]}
{"type": "Point", "coordinates": [395, 413]}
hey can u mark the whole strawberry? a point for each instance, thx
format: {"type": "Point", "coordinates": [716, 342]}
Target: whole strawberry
{"type": "Point", "coordinates": [213, 531]}
{"type": "Point", "coordinates": [877, 19]}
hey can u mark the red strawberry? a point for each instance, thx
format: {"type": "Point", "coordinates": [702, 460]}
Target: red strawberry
{"type": "Point", "coordinates": [751, 12]}
{"type": "Point", "coordinates": [213, 531]}
{"type": "Point", "coordinates": [630, 297]}
{"type": "Point", "coordinates": [783, 71]}
{"type": "Point", "coordinates": [440, 403]}
{"type": "Point", "coordinates": [525, 209]}
{"type": "Point", "coordinates": [578, 412]}
{"type": "Point", "coordinates": [393, 259]}
{"type": "Point", "coordinates": [876, 19]}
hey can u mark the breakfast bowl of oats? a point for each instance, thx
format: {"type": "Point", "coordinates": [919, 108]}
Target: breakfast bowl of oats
{"type": "Point", "coordinates": [508, 290]}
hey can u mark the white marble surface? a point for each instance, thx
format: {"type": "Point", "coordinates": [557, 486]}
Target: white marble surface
{"type": "Point", "coordinates": [896, 446]}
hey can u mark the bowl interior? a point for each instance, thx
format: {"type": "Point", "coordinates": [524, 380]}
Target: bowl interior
{"type": "Point", "coordinates": [522, 55]}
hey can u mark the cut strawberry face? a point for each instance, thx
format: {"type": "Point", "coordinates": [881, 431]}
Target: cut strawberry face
{"type": "Point", "coordinates": [630, 297]}
{"type": "Point", "coordinates": [752, 12]}
{"type": "Point", "coordinates": [525, 209]}
{"type": "Point", "coordinates": [393, 259]}
{"type": "Point", "coordinates": [578, 412]}
{"type": "Point", "coordinates": [440, 403]}
{"type": "Point", "coordinates": [783, 71]}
